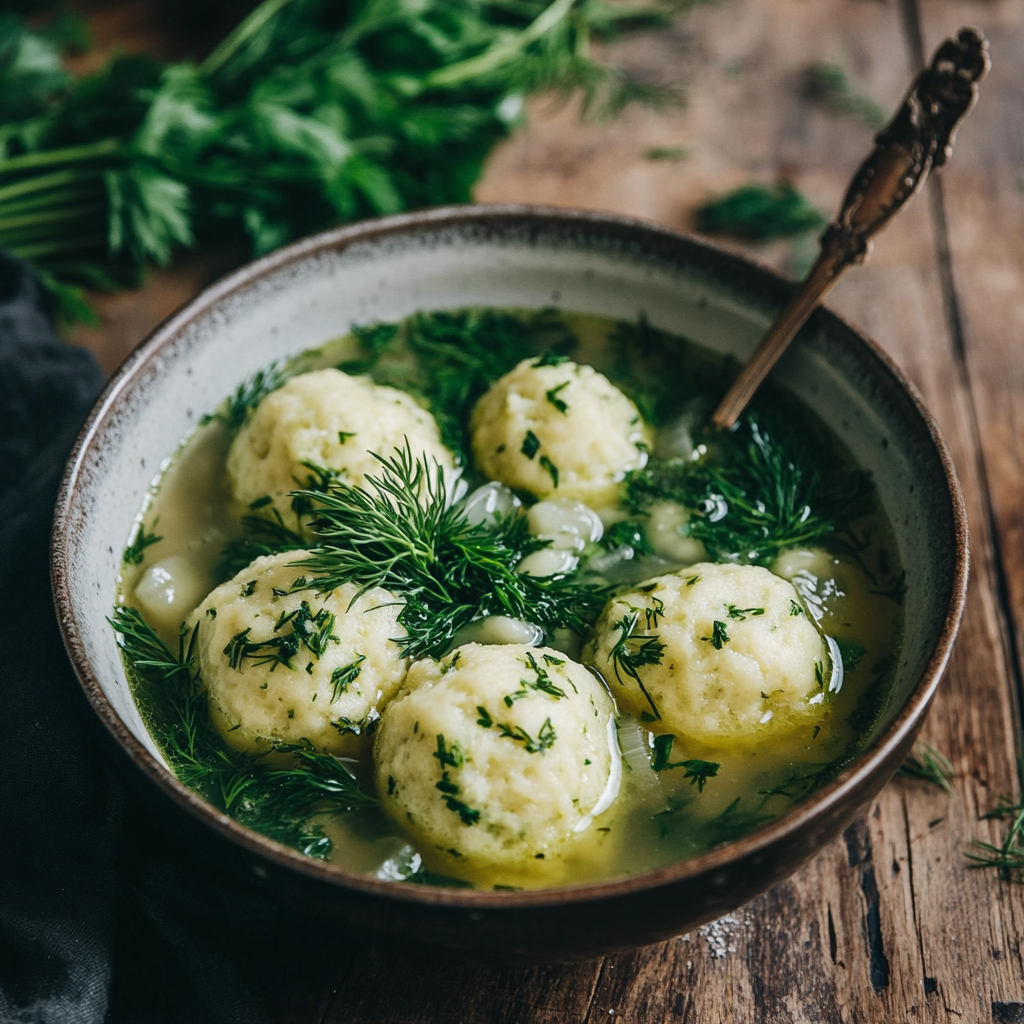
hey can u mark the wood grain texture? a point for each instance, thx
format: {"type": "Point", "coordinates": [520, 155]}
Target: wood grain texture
{"type": "Point", "coordinates": [983, 204]}
{"type": "Point", "coordinates": [886, 924]}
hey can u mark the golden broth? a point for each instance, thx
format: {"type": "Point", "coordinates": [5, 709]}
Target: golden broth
{"type": "Point", "coordinates": [658, 817]}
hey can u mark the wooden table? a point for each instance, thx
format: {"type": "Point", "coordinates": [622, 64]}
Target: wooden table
{"type": "Point", "coordinates": [887, 924]}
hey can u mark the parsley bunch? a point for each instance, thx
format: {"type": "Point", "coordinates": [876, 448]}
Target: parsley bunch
{"type": "Point", "coordinates": [309, 113]}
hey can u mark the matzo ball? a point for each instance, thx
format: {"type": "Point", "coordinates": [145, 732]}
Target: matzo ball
{"type": "Point", "coordinates": [560, 430]}
{"type": "Point", "coordinates": [497, 755]}
{"type": "Point", "coordinates": [333, 420]}
{"type": "Point", "coordinates": [284, 667]}
{"type": "Point", "coordinates": [723, 656]}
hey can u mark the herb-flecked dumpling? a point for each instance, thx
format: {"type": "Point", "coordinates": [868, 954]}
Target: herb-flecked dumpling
{"type": "Point", "coordinates": [496, 756]}
{"type": "Point", "coordinates": [721, 656]}
{"type": "Point", "coordinates": [332, 420]}
{"type": "Point", "coordinates": [559, 430]}
{"type": "Point", "coordinates": [280, 666]}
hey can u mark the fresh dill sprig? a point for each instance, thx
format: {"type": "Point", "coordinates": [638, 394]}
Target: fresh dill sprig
{"type": "Point", "coordinates": [236, 410]}
{"type": "Point", "coordinates": [306, 629]}
{"type": "Point", "coordinates": [665, 374]}
{"type": "Point", "coordinates": [453, 757]}
{"type": "Point", "coordinates": [283, 800]}
{"type": "Point", "coordinates": [135, 553]}
{"type": "Point", "coordinates": [551, 468]}
{"type": "Point", "coordinates": [627, 533]}
{"type": "Point", "coordinates": [343, 677]}
{"type": "Point", "coordinates": [719, 635]}
{"type": "Point", "coordinates": [545, 737]}
{"type": "Point", "coordinates": [759, 213]}
{"type": "Point", "coordinates": [634, 650]}
{"type": "Point", "coordinates": [404, 534]}
{"type": "Point", "coordinates": [766, 488]}
{"type": "Point", "coordinates": [740, 614]}
{"type": "Point", "coordinates": [800, 783]}
{"type": "Point", "coordinates": [542, 683]}
{"type": "Point", "coordinates": [1008, 857]}
{"type": "Point", "coordinates": [735, 822]}
{"type": "Point", "coordinates": [929, 765]}
{"type": "Point", "coordinates": [742, 817]}
{"type": "Point", "coordinates": [696, 770]}
{"type": "Point", "coordinates": [552, 396]}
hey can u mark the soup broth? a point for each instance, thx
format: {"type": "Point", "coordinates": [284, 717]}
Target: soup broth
{"type": "Point", "coordinates": [694, 501]}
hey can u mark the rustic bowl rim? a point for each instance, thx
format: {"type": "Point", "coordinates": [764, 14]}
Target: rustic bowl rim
{"type": "Point", "coordinates": [838, 790]}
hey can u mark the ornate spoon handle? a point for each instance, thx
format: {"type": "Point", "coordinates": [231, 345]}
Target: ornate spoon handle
{"type": "Point", "coordinates": [918, 138]}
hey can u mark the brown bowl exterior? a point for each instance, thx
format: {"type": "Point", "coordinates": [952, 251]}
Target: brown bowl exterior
{"type": "Point", "coordinates": [556, 924]}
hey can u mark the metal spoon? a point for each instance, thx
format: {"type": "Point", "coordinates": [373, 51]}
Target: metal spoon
{"type": "Point", "coordinates": [918, 138]}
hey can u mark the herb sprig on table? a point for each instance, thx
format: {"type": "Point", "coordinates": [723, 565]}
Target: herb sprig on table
{"type": "Point", "coordinates": [760, 213]}
{"type": "Point", "coordinates": [284, 796]}
{"type": "Point", "coordinates": [1007, 857]}
{"type": "Point", "coordinates": [927, 764]}
{"type": "Point", "coordinates": [827, 86]}
{"type": "Point", "coordinates": [307, 114]}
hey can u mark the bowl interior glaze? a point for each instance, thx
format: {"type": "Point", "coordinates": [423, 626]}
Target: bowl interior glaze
{"type": "Point", "coordinates": [521, 257]}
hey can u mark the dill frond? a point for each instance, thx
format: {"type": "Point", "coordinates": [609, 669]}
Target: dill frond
{"type": "Point", "coordinates": [765, 488]}
{"type": "Point", "coordinates": [135, 553]}
{"type": "Point", "coordinates": [285, 800]}
{"type": "Point", "coordinates": [632, 651]}
{"type": "Point", "coordinates": [926, 763]}
{"type": "Point", "coordinates": [696, 770]}
{"type": "Point", "coordinates": [236, 410]}
{"type": "Point", "coordinates": [1008, 857]}
{"type": "Point", "coordinates": [403, 533]}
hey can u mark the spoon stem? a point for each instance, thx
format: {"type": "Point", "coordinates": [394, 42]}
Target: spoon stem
{"type": "Point", "coordinates": [918, 138]}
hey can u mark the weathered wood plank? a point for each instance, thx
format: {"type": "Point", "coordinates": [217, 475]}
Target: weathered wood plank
{"type": "Point", "coordinates": [379, 984]}
{"type": "Point", "coordinates": [983, 204]}
{"type": "Point", "coordinates": [982, 207]}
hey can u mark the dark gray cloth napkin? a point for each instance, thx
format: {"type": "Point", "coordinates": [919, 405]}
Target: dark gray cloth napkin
{"type": "Point", "coordinates": [101, 918]}
{"type": "Point", "coordinates": [60, 807]}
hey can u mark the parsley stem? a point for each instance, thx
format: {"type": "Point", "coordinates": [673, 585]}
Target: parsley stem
{"type": "Point", "coordinates": [241, 35]}
{"type": "Point", "coordinates": [48, 216]}
{"type": "Point", "coordinates": [67, 155]}
{"type": "Point", "coordinates": [32, 252]}
{"type": "Point", "coordinates": [502, 52]}
{"type": "Point", "coordinates": [51, 198]}
{"type": "Point", "coordinates": [47, 181]}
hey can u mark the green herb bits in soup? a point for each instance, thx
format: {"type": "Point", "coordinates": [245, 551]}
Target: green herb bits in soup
{"type": "Point", "coordinates": [477, 599]}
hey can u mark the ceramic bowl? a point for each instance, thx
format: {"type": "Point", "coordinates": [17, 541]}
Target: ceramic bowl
{"type": "Point", "coordinates": [522, 257]}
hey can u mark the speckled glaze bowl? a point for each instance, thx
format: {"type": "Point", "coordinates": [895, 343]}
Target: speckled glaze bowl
{"type": "Point", "coordinates": [521, 257]}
